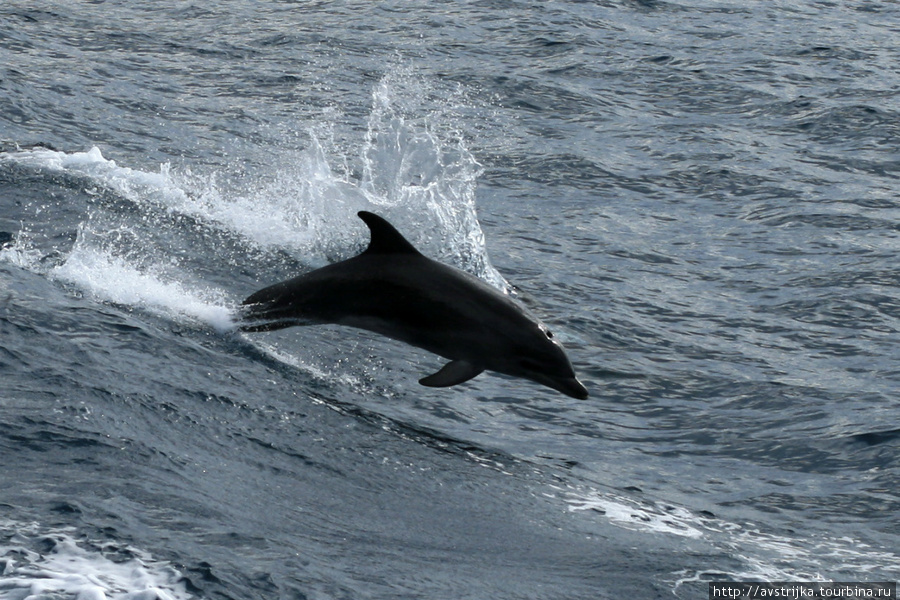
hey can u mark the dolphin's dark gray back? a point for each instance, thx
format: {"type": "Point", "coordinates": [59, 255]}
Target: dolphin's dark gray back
{"type": "Point", "coordinates": [394, 290]}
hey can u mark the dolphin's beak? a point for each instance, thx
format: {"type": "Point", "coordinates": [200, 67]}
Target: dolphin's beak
{"type": "Point", "coordinates": [575, 389]}
{"type": "Point", "coordinates": [569, 386]}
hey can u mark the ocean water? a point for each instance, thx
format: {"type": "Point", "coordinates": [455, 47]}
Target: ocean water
{"type": "Point", "coordinates": [700, 197]}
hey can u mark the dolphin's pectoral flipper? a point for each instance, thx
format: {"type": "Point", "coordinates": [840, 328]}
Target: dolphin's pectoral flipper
{"type": "Point", "coordinates": [455, 371]}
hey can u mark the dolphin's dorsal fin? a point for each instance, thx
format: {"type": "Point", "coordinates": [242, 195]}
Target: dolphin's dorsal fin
{"type": "Point", "coordinates": [455, 371]}
{"type": "Point", "coordinates": [385, 239]}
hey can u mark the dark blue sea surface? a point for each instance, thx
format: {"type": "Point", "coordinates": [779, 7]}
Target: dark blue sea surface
{"type": "Point", "coordinates": [700, 198]}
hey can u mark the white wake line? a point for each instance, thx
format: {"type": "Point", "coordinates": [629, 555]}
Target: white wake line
{"type": "Point", "coordinates": [767, 556]}
{"type": "Point", "coordinates": [629, 514]}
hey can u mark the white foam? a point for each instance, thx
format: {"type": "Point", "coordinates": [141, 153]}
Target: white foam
{"type": "Point", "coordinates": [70, 571]}
{"type": "Point", "coordinates": [152, 287]}
{"type": "Point", "coordinates": [114, 279]}
{"type": "Point", "coordinates": [267, 217]}
{"type": "Point", "coordinates": [763, 556]}
{"type": "Point", "coordinates": [134, 184]}
{"type": "Point", "coordinates": [54, 159]}
{"type": "Point", "coordinates": [633, 515]}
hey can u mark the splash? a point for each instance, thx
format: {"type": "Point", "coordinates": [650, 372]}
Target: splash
{"type": "Point", "coordinates": [154, 240]}
{"type": "Point", "coordinates": [303, 207]}
{"type": "Point", "coordinates": [415, 165]}
{"type": "Point", "coordinates": [21, 252]}
{"type": "Point", "coordinates": [113, 279]}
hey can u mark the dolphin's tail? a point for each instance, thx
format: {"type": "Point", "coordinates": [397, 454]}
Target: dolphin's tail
{"type": "Point", "coordinates": [266, 317]}
{"type": "Point", "coordinates": [258, 316]}
{"type": "Point", "coordinates": [269, 309]}
{"type": "Point", "coordinates": [253, 318]}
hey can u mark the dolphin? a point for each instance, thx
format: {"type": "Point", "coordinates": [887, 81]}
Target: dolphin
{"type": "Point", "coordinates": [394, 290]}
